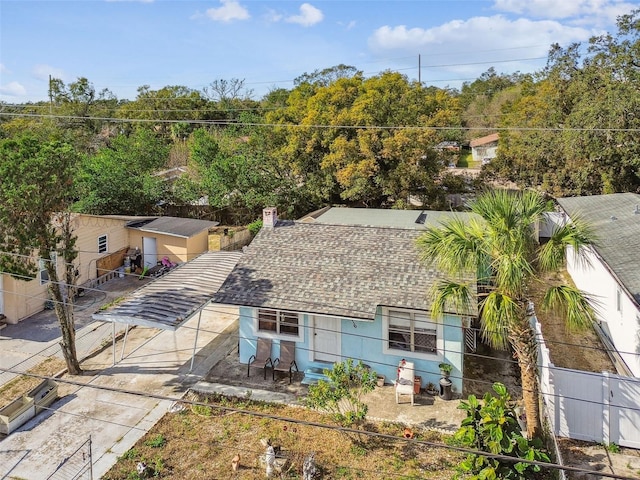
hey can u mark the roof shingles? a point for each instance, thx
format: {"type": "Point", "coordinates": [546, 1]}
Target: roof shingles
{"type": "Point", "coordinates": [342, 270]}
{"type": "Point", "coordinates": [615, 219]}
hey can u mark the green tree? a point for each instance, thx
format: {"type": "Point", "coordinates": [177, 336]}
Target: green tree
{"type": "Point", "coordinates": [36, 179]}
{"type": "Point", "coordinates": [341, 395]}
{"type": "Point", "coordinates": [119, 179]}
{"type": "Point", "coordinates": [500, 246]}
{"type": "Point", "coordinates": [492, 427]}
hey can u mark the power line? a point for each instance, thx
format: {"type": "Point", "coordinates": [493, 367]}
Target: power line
{"type": "Point", "coordinates": [253, 413]}
{"type": "Point", "coordinates": [320, 126]}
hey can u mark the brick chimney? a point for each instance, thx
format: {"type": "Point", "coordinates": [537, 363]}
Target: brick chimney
{"type": "Point", "coordinates": [269, 217]}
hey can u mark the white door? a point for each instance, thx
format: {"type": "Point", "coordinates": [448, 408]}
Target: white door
{"type": "Point", "coordinates": [149, 251]}
{"type": "Point", "coordinates": [326, 339]}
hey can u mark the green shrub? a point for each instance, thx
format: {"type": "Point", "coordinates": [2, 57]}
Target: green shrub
{"type": "Point", "coordinates": [254, 227]}
{"type": "Point", "coordinates": [493, 427]}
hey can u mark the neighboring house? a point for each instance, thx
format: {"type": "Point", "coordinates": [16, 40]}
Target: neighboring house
{"type": "Point", "coordinates": [484, 148]}
{"type": "Point", "coordinates": [345, 283]}
{"type": "Point", "coordinates": [609, 272]}
{"type": "Point", "coordinates": [448, 146]}
{"type": "Point", "coordinates": [102, 243]}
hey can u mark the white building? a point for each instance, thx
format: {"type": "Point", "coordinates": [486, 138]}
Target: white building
{"type": "Point", "coordinates": [609, 272]}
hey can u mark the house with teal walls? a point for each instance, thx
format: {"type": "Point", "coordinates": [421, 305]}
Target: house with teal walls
{"type": "Point", "coordinates": [346, 283]}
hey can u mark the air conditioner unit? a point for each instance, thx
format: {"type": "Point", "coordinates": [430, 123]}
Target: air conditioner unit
{"type": "Point", "coordinates": [466, 322]}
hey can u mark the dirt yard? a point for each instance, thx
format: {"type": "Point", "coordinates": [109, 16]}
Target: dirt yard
{"type": "Point", "coordinates": [580, 350]}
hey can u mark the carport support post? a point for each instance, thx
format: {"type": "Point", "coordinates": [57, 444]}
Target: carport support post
{"type": "Point", "coordinates": [124, 342]}
{"type": "Point", "coordinates": [114, 343]}
{"type": "Point", "coordinates": [195, 343]}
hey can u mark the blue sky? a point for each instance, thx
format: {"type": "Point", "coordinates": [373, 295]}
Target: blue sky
{"type": "Point", "coordinates": [121, 45]}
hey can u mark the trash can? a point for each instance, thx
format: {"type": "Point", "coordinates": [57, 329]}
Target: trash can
{"type": "Point", "coordinates": [445, 389]}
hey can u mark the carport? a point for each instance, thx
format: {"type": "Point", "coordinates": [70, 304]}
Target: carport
{"type": "Point", "coordinates": [170, 301]}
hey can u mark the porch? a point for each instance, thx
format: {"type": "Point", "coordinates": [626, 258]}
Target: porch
{"type": "Point", "coordinates": [229, 377]}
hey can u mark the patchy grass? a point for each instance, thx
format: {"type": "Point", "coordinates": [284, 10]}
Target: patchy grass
{"type": "Point", "coordinates": [23, 383]}
{"type": "Point", "coordinates": [201, 443]}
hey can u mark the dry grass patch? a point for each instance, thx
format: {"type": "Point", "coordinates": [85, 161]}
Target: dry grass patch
{"type": "Point", "coordinates": [201, 442]}
{"type": "Point", "coordinates": [24, 383]}
{"type": "Point", "coordinates": [579, 350]}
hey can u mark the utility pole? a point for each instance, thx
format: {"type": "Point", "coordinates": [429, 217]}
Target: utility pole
{"type": "Point", "coordinates": [50, 97]}
{"type": "Point", "coordinates": [419, 71]}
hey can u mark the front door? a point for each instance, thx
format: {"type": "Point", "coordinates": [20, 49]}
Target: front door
{"type": "Point", "coordinates": [326, 339]}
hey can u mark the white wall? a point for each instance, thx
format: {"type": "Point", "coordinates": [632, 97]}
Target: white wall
{"type": "Point", "coordinates": [622, 321]}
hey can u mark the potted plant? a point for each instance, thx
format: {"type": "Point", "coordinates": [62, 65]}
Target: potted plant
{"type": "Point", "coordinates": [445, 369]}
{"type": "Point", "coordinates": [431, 389]}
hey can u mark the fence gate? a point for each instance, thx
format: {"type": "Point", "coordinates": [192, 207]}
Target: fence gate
{"type": "Point", "coordinates": [77, 466]}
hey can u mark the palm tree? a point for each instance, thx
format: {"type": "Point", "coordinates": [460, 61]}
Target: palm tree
{"type": "Point", "coordinates": [500, 245]}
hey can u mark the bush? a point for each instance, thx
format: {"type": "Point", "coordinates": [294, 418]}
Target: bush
{"type": "Point", "coordinates": [493, 427]}
{"type": "Point", "coordinates": [254, 227]}
{"type": "Point", "coordinates": [342, 394]}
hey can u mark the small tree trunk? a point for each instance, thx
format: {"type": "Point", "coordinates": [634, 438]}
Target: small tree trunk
{"type": "Point", "coordinates": [523, 342]}
{"type": "Point", "coordinates": [63, 305]}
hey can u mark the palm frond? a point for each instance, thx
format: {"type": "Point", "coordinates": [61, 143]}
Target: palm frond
{"type": "Point", "coordinates": [576, 234]}
{"type": "Point", "coordinates": [498, 314]}
{"type": "Point", "coordinates": [572, 304]}
{"type": "Point", "coordinates": [452, 247]}
{"type": "Point", "coordinates": [448, 296]}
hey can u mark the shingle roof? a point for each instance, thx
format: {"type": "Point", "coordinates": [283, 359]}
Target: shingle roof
{"type": "Point", "coordinates": [170, 300]}
{"type": "Point", "coordinates": [341, 270]}
{"type": "Point", "coordinates": [615, 219]}
{"type": "Point", "coordinates": [175, 226]}
{"type": "Point", "coordinates": [476, 142]}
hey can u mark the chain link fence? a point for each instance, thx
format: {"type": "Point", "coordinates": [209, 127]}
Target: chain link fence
{"type": "Point", "coordinates": [77, 466]}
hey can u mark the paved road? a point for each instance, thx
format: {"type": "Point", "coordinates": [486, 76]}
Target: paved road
{"type": "Point", "coordinates": [155, 362]}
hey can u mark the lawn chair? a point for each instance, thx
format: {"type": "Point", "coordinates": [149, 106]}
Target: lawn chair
{"type": "Point", "coordinates": [262, 358]}
{"type": "Point", "coordinates": [404, 383]}
{"type": "Point", "coordinates": [287, 360]}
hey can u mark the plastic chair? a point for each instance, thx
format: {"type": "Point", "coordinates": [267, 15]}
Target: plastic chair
{"type": "Point", "coordinates": [404, 383]}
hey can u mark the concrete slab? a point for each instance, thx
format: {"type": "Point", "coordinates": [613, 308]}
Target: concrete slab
{"type": "Point", "coordinates": [154, 362]}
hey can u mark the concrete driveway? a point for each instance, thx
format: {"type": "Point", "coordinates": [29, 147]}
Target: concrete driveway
{"type": "Point", "coordinates": [93, 405]}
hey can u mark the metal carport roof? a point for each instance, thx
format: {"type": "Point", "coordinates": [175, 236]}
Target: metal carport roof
{"type": "Point", "coordinates": [169, 301]}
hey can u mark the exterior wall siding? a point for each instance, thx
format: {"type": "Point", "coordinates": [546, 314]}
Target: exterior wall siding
{"type": "Point", "coordinates": [175, 248]}
{"type": "Point", "coordinates": [620, 319]}
{"type": "Point", "coordinates": [88, 229]}
{"type": "Point", "coordinates": [364, 342]}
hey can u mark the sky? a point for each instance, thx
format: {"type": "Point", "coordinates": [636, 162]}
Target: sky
{"type": "Point", "coordinates": [124, 44]}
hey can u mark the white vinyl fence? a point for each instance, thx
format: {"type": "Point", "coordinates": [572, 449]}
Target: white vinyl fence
{"type": "Point", "coordinates": [595, 407]}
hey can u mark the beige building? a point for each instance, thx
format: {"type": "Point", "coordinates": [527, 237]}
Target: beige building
{"type": "Point", "coordinates": [103, 243]}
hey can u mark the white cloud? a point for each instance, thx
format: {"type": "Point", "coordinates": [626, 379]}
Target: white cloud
{"type": "Point", "coordinates": [596, 11]}
{"type": "Point", "coordinates": [478, 33]}
{"type": "Point", "coordinates": [229, 11]}
{"type": "Point", "coordinates": [42, 72]}
{"type": "Point", "coordinates": [13, 89]}
{"type": "Point", "coordinates": [309, 15]}
{"type": "Point", "coordinates": [272, 16]}
{"type": "Point", "coordinates": [349, 25]}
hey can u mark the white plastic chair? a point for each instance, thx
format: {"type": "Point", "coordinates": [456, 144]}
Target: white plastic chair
{"type": "Point", "coordinates": [404, 383]}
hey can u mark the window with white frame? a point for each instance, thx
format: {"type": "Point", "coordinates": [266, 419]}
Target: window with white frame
{"type": "Point", "coordinates": [102, 244]}
{"type": "Point", "coordinates": [43, 275]}
{"type": "Point", "coordinates": [278, 322]}
{"type": "Point", "coordinates": [411, 332]}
